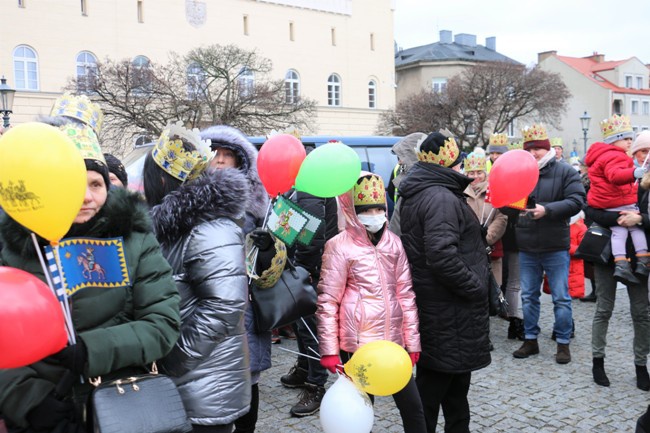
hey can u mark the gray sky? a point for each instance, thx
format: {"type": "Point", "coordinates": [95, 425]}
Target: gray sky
{"type": "Point", "coordinates": [619, 29]}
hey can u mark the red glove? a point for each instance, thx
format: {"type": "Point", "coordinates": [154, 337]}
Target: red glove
{"type": "Point", "coordinates": [332, 363]}
{"type": "Point", "coordinates": [415, 356]}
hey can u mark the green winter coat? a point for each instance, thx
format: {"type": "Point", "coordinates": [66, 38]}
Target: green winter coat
{"type": "Point", "coordinates": [124, 328]}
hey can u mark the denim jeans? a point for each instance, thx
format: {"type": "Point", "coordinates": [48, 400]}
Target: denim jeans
{"type": "Point", "coordinates": [532, 266]}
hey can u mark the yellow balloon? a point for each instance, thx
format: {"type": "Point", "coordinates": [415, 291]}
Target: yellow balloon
{"type": "Point", "coordinates": [42, 178]}
{"type": "Point", "coordinates": [380, 368]}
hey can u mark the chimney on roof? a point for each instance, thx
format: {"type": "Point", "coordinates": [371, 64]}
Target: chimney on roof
{"type": "Point", "coordinates": [598, 58]}
{"type": "Point", "coordinates": [445, 37]}
{"type": "Point", "coordinates": [545, 55]}
{"type": "Point", "coordinates": [491, 43]}
{"type": "Point", "coordinates": [465, 39]}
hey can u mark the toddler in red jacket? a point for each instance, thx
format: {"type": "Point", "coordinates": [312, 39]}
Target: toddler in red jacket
{"type": "Point", "coordinates": [614, 188]}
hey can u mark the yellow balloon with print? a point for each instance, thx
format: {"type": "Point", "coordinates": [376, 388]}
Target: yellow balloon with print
{"type": "Point", "coordinates": [380, 368]}
{"type": "Point", "coordinates": [42, 178]}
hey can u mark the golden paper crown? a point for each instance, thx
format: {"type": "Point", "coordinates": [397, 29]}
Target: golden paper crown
{"type": "Point", "coordinates": [178, 162]}
{"type": "Point", "coordinates": [80, 108]}
{"type": "Point", "coordinates": [556, 142]}
{"type": "Point", "coordinates": [446, 156]}
{"type": "Point", "coordinates": [498, 140]}
{"type": "Point", "coordinates": [475, 162]}
{"type": "Point", "coordinates": [515, 145]}
{"type": "Point", "coordinates": [616, 128]}
{"type": "Point", "coordinates": [370, 192]}
{"type": "Point", "coordinates": [534, 133]}
{"type": "Point", "coordinates": [85, 139]}
{"type": "Point", "coordinates": [290, 130]}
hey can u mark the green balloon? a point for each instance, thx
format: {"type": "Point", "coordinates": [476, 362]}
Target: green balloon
{"type": "Point", "coordinates": [329, 170]}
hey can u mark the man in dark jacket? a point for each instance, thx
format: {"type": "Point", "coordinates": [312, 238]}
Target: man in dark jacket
{"type": "Point", "coordinates": [543, 239]}
{"type": "Point", "coordinates": [447, 252]}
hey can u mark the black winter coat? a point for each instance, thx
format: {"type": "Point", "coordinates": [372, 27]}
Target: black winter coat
{"type": "Point", "coordinates": [447, 252]}
{"type": "Point", "coordinates": [560, 191]}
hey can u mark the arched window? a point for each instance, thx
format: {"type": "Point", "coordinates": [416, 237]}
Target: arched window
{"type": "Point", "coordinates": [246, 82]}
{"type": "Point", "coordinates": [292, 87]}
{"type": "Point", "coordinates": [25, 68]}
{"type": "Point", "coordinates": [86, 72]}
{"type": "Point", "coordinates": [334, 91]}
{"type": "Point", "coordinates": [372, 94]}
{"type": "Point", "coordinates": [195, 81]}
{"type": "Point", "coordinates": [141, 78]}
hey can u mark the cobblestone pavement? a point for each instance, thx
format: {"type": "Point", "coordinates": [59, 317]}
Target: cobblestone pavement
{"type": "Point", "coordinates": [511, 395]}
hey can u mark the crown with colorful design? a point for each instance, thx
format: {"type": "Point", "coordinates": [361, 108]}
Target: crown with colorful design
{"type": "Point", "coordinates": [475, 162]}
{"type": "Point", "coordinates": [534, 133]}
{"type": "Point", "coordinates": [499, 139]}
{"type": "Point", "coordinates": [80, 108]}
{"type": "Point", "coordinates": [516, 145]}
{"type": "Point", "coordinates": [182, 164]}
{"type": "Point", "coordinates": [85, 139]}
{"type": "Point", "coordinates": [556, 142]}
{"type": "Point", "coordinates": [446, 156]}
{"type": "Point", "coordinates": [369, 192]}
{"type": "Point", "coordinates": [616, 128]}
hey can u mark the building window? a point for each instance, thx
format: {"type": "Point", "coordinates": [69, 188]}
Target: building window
{"type": "Point", "coordinates": [140, 11]}
{"type": "Point", "coordinates": [21, 3]}
{"type": "Point", "coordinates": [246, 25]}
{"type": "Point", "coordinates": [291, 35]}
{"type": "Point", "coordinates": [372, 94]}
{"type": "Point", "coordinates": [334, 91]}
{"type": "Point", "coordinates": [245, 82]}
{"type": "Point", "coordinates": [634, 109]}
{"type": "Point", "coordinates": [628, 81]}
{"type": "Point", "coordinates": [25, 68]}
{"type": "Point", "coordinates": [84, 8]}
{"type": "Point", "coordinates": [292, 87]}
{"type": "Point", "coordinates": [196, 81]}
{"type": "Point", "coordinates": [639, 82]}
{"type": "Point", "coordinates": [439, 85]}
{"type": "Point", "coordinates": [511, 129]}
{"type": "Point", "coordinates": [372, 42]}
{"type": "Point", "coordinates": [86, 72]}
{"type": "Point", "coordinates": [646, 108]}
{"type": "Point", "coordinates": [141, 75]}
{"type": "Point", "coordinates": [333, 36]}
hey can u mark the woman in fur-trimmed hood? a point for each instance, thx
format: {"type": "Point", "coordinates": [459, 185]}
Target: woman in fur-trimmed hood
{"type": "Point", "coordinates": [197, 218]}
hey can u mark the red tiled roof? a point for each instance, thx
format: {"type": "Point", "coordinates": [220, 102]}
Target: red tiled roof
{"type": "Point", "coordinates": [590, 68]}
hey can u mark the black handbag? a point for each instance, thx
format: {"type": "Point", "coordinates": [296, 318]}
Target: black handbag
{"type": "Point", "coordinates": [291, 298]}
{"type": "Point", "coordinates": [596, 246]}
{"type": "Point", "coordinates": [498, 303]}
{"type": "Point", "coordinates": [148, 403]}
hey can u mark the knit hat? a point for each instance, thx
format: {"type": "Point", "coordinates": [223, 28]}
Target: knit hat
{"type": "Point", "coordinates": [116, 167]}
{"type": "Point", "coordinates": [498, 143]}
{"type": "Point", "coordinates": [535, 136]}
{"type": "Point", "coordinates": [475, 161]}
{"type": "Point", "coordinates": [369, 193]}
{"type": "Point", "coordinates": [440, 149]}
{"type": "Point", "coordinates": [99, 167]}
{"type": "Point", "coordinates": [641, 142]}
{"type": "Point", "coordinates": [616, 128]}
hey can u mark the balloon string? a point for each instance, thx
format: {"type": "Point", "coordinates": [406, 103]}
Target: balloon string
{"type": "Point", "coordinates": [645, 161]}
{"type": "Point", "coordinates": [488, 217]}
{"type": "Point", "coordinates": [299, 354]}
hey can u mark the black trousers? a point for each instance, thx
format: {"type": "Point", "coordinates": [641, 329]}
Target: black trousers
{"type": "Point", "coordinates": [246, 423]}
{"type": "Point", "coordinates": [221, 428]}
{"type": "Point", "coordinates": [407, 401]}
{"type": "Point", "coordinates": [449, 391]}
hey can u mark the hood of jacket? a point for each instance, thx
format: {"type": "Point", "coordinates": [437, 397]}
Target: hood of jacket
{"type": "Point", "coordinates": [233, 139]}
{"type": "Point", "coordinates": [123, 213]}
{"type": "Point", "coordinates": [597, 150]}
{"type": "Point", "coordinates": [405, 151]}
{"type": "Point", "coordinates": [351, 221]}
{"type": "Point", "coordinates": [424, 175]}
{"type": "Point", "coordinates": [222, 193]}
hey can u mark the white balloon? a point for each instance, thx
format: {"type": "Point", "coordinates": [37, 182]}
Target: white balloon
{"type": "Point", "coordinates": [346, 409]}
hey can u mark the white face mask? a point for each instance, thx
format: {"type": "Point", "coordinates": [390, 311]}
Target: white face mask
{"type": "Point", "coordinates": [373, 223]}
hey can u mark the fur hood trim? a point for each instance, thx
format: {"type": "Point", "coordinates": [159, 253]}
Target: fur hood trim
{"type": "Point", "coordinates": [233, 139]}
{"type": "Point", "coordinates": [222, 193]}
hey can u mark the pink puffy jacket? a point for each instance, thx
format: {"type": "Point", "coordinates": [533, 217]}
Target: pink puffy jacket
{"type": "Point", "coordinates": [365, 292]}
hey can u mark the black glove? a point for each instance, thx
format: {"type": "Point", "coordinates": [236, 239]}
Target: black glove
{"type": "Point", "coordinates": [50, 412]}
{"type": "Point", "coordinates": [73, 357]}
{"type": "Point", "coordinates": [262, 239]}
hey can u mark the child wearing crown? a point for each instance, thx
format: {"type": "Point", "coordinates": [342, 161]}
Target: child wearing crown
{"type": "Point", "coordinates": [614, 188]}
{"type": "Point", "coordinates": [365, 291]}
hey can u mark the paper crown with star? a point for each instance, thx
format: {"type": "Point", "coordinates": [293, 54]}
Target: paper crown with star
{"type": "Point", "coordinates": [438, 148]}
{"type": "Point", "coordinates": [475, 161]}
{"type": "Point", "coordinates": [80, 108]}
{"type": "Point", "coordinates": [370, 192]}
{"type": "Point", "coordinates": [616, 128]}
{"type": "Point", "coordinates": [182, 164]}
{"type": "Point", "coordinates": [85, 139]}
{"type": "Point", "coordinates": [535, 136]}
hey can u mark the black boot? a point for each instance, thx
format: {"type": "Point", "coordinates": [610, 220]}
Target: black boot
{"type": "Point", "coordinates": [643, 423]}
{"type": "Point", "coordinates": [642, 378]}
{"type": "Point", "coordinates": [590, 297]}
{"type": "Point", "coordinates": [642, 262]}
{"type": "Point", "coordinates": [598, 370]}
{"type": "Point", "coordinates": [623, 272]}
{"type": "Point", "coordinates": [516, 329]}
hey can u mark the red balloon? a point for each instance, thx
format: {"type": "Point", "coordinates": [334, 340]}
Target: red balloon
{"type": "Point", "coordinates": [278, 163]}
{"type": "Point", "coordinates": [31, 321]}
{"type": "Point", "coordinates": [512, 178]}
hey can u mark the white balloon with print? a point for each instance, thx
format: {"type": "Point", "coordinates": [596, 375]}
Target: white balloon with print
{"type": "Point", "coordinates": [346, 409]}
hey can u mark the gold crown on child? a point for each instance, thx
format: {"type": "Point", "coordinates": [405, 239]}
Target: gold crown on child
{"type": "Point", "coordinates": [447, 154]}
{"type": "Point", "coordinates": [615, 125]}
{"type": "Point", "coordinates": [498, 140]}
{"type": "Point", "coordinates": [80, 108]}
{"type": "Point", "coordinates": [534, 133]}
{"type": "Point", "coordinates": [180, 163]}
{"type": "Point", "coordinates": [370, 191]}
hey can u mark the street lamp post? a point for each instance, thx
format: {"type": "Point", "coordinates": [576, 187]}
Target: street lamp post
{"type": "Point", "coordinates": [6, 100]}
{"type": "Point", "coordinates": [584, 120]}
